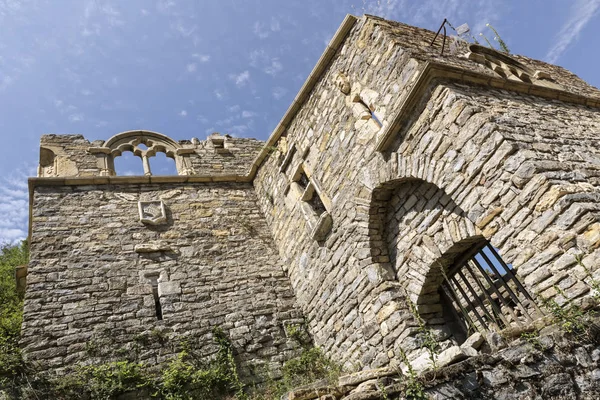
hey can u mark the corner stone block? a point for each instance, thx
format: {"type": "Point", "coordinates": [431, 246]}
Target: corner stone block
{"type": "Point", "coordinates": [168, 288]}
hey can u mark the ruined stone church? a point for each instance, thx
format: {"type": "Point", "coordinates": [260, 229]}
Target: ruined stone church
{"type": "Point", "coordinates": [410, 185]}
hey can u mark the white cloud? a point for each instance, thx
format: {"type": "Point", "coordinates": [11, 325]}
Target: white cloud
{"type": "Point", "coordinates": [582, 11]}
{"type": "Point", "coordinates": [275, 27]}
{"type": "Point", "coordinates": [269, 65]}
{"type": "Point", "coordinates": [203, 58]}
{"type": "Point", "coordinates": [274, 68]}
{"type": "Point", "coordinates": [191, 67]}
{"type": "Point", "coordinates": [76, 117]}
{"type": "Point", "coordinates": [248, 114]}
{"type": "Point", "coordinates": [237, 130]}
{"type": "Point", "coordinates": [14, 205]}
{"type": "Point", "coordinates": [234, 108]}
{"type": "Point", "coordinates": [240, 79]}
{"type": "Point", "coordinates": [182, 29]}
{"type": "Point", "coordinates": [183, 113]}
{"type": "Point", "coordinates": [220, 94]}
{"type": "Point", "coordinates": [105, 10]}
{"type": "Point", "coordinates": [5, 82]}
{"type": "Point", "coordinates": [278, 92]}
{"type": "Point", "coordinates": [165, 6]}
{"type": "Point", "coordinates": [260, 30]}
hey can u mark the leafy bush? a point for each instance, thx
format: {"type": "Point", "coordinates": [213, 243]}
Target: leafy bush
{"type": "Point", "coordinates": [11, 312]}
{"type": "Point", "coordinates": [104, 381]}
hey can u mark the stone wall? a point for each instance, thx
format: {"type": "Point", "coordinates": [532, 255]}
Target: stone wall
{"type": "Point", "coordinates": [519, 170]}
{"type": "Point", "coordinates": [75, 156]}
{"type": "Point", "coordinates": [93, 265]}
{"type": "Point", "coordinates": [552, 365]}
{"type": "Point", "coordinates": [392, 162]}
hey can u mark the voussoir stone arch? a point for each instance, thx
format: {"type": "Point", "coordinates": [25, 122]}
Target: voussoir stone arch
{"type": "Point", "coordinates": [415, 223]}
{"type": "Point", "coordinates": [153, 142]}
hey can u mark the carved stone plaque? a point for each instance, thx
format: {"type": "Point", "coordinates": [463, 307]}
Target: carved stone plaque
{"type": "Point", "coordinates": [152, 212]}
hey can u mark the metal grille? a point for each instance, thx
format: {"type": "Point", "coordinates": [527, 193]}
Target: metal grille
{"type": "Point", "coordinates": [484, 290]}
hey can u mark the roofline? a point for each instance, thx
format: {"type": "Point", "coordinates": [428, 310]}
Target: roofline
{"type": "Point", "coordinates": [324, 61]}
{"type": "Point", "coordinates": [430, 72]}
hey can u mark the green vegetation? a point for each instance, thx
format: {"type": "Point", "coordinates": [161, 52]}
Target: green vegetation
{"type": "Point", "coordinates": [429, 342]}
{"type": "Point", "coordinates": [413, 387]}
{"type": "Point", "coordinates": [497, 38]}
{"type": "Point", "coordinates": [11, 312]}
{"type": "Point", "coordinates": [185, 377]}
{"type": "Point", "coordinates": [310, 366]}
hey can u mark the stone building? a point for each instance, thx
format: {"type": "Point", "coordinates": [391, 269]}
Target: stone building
{"type": "Point", "coordinates": [410, 183]}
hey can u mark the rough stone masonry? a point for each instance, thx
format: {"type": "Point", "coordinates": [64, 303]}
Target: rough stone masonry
{"type": "Point", "coordinates": [369, 214]}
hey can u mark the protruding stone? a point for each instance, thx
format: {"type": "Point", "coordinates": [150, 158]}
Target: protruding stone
{"type": "Point", "coordinates": [475, 341]}
{"type": "Point", "coordinates": [151, 247]}
{"type": "Point", "coordinates": [362, 376]}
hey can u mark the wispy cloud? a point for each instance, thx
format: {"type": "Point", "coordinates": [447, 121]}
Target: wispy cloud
{"type": "Point", "coordinates": [6, 82]}
{"type": "Point", "coordinates": [104, 10]}
{"type": "Point", "coordinates": [260, 30]}
{"type": "Point", "coordinates": [220, 94]}
{"type": "Point", "coordinates": [582, 11]}
{"type": "Point", "coordinates": [183, 113]}
{"type": "Point", "coordinates": [275, 27]}
{"type": "Point", "coordinates": [240, 79]}
{"type": "Point", "coordinates": [76, 117]}
{"type": "Point", "coordinates": [14, 205]}
{"type": "Point", "coordinates": [191, 67]}
{"type": "Point", "coordinates": [264, 30]}
{"type": "Point", "coordinates": [248, 114]}
{"type": "Point", "coordinates": [183, 29]}
{"type": "Point", "coordinates": [278, 92]}
{"type": "Point", "coordinates": [203, 58]}
{"type": "Point", "coordinates": [274, 68]}
{"type": "Point", "coordinates": [268, 64]}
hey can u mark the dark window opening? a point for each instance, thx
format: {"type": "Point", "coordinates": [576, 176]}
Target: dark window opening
{"type": "Point", "coordinates": [287, 159]}
{"type": "Point", "coordinates": [316, 204]}
{"type": "Point", "coordinates": [301, 179]}
{"type": "Point", "coordinates": [157, 307]}
{"type": "Point", "coordinates": [485, 292]}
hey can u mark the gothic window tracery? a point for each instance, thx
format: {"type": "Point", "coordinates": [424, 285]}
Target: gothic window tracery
{"type": "Point", "coordinates": [145, 145]}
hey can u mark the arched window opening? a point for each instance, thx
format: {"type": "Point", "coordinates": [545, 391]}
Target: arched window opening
{"type": "Point", "coordinates": [161, 164]}
{"type": "Point", "coordinates": [127, 164]}
{"type": "Point", "coordinates": [485, 294]}
{"type": "Point", "coordinates": [146, 145]}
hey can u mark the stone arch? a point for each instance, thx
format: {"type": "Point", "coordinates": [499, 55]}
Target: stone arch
{"type": "Point", "coordinates": [143, 144]}
{"type": "Point", "coordinates": [422, 231]}
{"type": "Point", "coordinates": [417, 225]}
{"type": "Point", "coordinates": [47, 165]}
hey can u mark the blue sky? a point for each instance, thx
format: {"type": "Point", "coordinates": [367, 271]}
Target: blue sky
{"type": "Point", "coordinates": [187, 68]}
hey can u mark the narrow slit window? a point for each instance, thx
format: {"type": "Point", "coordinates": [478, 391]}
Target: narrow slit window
{"type": "Point", "coordinates": [485, 292]}
{"type": "Point", "coordinates": [287, 159]}
{"type": "Point", "coordinates": [157, 307]}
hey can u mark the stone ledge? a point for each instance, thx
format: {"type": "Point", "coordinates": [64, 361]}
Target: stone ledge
{"type": "Point", "coordinates": [432, 71]}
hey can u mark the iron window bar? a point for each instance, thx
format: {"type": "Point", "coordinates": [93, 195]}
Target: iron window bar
{"type": "Point", "coordinates": [484, 290]}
